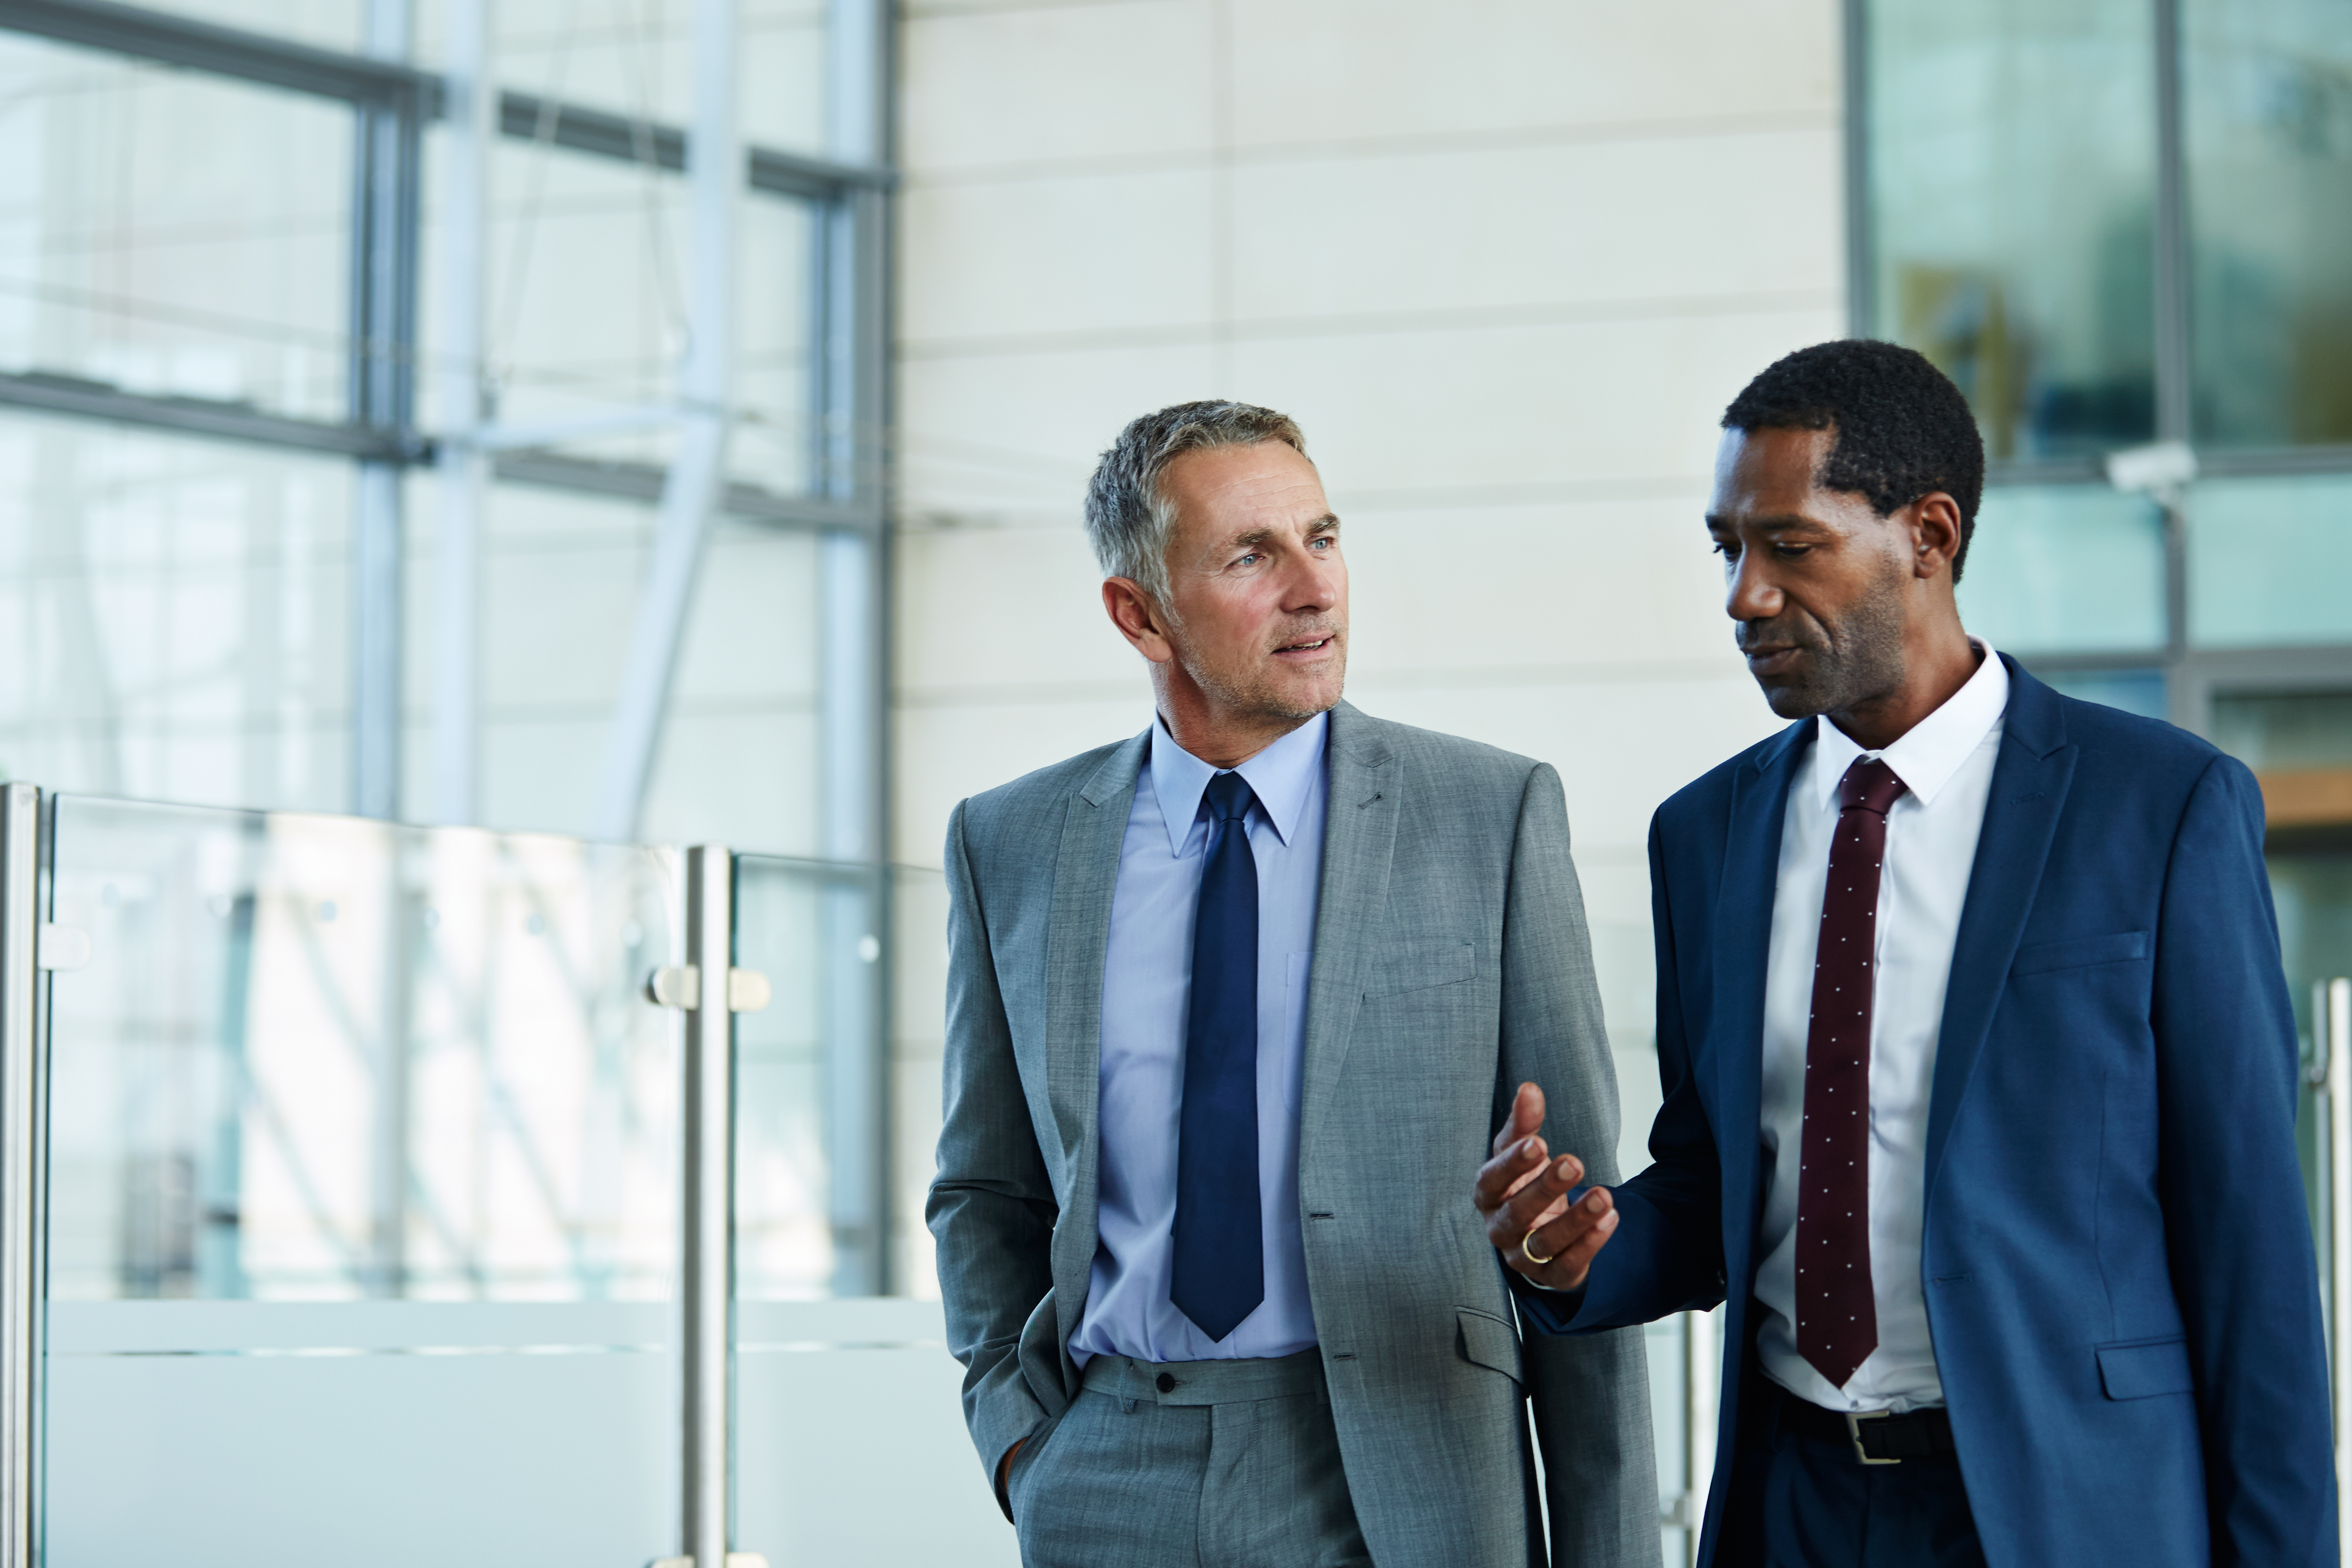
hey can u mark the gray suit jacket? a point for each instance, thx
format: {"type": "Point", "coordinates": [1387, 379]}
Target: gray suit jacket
{"type": "Point", "coordinates": [1451, 963]}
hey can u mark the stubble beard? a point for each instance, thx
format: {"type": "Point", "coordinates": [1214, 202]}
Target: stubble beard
{"type": "Point", "coordinates": [1861, 659]}
{"type": "Point", "coordinates": [1256, 693]}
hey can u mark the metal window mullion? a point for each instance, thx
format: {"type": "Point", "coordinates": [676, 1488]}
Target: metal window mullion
{"type": "Point", "coordinates": [382, 396]}
{"type": "Point", "coordinates": [23, 1172]}
{"type": "Point", "coordinates": [2173, 391]}
{"type": "Point", "coordinates": [1861, 285]}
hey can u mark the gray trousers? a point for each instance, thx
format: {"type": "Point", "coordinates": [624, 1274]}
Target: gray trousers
{"type": "Point", "coordinates": [1190, 1464]}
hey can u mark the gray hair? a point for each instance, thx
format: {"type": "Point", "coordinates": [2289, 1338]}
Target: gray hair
{"type": "Point", "coordinates": [1128, 518]}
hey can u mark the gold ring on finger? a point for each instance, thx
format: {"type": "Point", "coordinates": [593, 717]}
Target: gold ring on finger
{"type": "Point", "coordinates": [1529, 1253]}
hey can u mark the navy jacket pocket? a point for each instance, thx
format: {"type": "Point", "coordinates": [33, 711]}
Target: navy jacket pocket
{"type": "Point", "coordinates": [2078, 952]}
{"type": "Point", "coordinates": [1418, 966]}
{"type": "Point", "coordinates": [1488, 1342]}
{"type": "Point", "coordinates": [2145, 1370]}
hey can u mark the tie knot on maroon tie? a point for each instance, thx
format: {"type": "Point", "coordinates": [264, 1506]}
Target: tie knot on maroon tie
{"type": "Point", "coordinates": [1871, 784]}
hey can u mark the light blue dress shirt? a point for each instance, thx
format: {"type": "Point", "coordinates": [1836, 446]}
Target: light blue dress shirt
{"type": "Point", "coordinates": [1147, 985]}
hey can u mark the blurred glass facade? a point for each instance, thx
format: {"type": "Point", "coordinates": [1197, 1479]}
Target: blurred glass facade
{"type": "Point", "coordinates": [2119, 226]}
{"type": "Point", "coordinates": [225, 233]}
{"type": "Point", "coordinates": [2012, 159]}
{"type": "Point", "coordinates": [2266, 122]}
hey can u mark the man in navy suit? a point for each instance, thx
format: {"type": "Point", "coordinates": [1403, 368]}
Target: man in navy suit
{"type": "Point", "coordinates": [1978, 1066]}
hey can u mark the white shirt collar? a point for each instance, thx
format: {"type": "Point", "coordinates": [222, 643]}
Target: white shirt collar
{"type": "Point", "coordinates": [1931, 751]}
{"type": "Point", "coordinates": [1280, 776]}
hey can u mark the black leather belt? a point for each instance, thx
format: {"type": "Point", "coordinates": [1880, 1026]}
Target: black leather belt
{"type": "Point", "coordinates": [1877, 1438]}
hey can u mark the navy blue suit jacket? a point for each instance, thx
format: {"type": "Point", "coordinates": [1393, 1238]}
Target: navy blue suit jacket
{"type": "Point", "coordinates": [2117, 1265]}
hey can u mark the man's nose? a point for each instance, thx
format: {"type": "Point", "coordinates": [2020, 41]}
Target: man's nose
{"type": "Point", "coordinates": [1313, 584]}
{"type": "Point", "coordinates": [1752, 594]}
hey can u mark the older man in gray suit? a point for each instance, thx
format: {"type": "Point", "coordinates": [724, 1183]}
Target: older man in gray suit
{"type": "Point", "coordinates": [1232, 1006]}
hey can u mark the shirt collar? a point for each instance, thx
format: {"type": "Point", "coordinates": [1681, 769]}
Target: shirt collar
{"type": "Point", "coordinates": [1281, 777]}
{"type": "Point", "coordinates": [1931, 751]}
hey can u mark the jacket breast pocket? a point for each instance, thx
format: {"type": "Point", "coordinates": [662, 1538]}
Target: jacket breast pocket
{"type": "Point", "coordinates": [2079, 952]}
{"type": "Point", "coordinates": [1487, 1341]}
{"type": "Point", "coordinates": [1406, 966]}
{"type": "Point", "coordinates": [2145, 1369]}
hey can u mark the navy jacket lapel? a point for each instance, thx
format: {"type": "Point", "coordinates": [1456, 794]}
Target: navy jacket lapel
{"type": "Point", "coordinates": [2030, 781]}
{"type": "Point", "coordinates": [1743, 943]}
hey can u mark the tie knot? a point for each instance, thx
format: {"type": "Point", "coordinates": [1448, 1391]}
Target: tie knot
{"type": "Point", "coordinates": [1871, 784]}
{"type": "Point", "coordinates": [1229, 797]}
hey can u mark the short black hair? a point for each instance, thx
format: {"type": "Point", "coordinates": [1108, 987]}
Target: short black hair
{"type": "Point", "coordinates": [1902, 428]}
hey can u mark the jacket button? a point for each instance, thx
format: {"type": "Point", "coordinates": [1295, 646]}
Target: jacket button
{"type": "Point", "coordinates": [1164, 1384]}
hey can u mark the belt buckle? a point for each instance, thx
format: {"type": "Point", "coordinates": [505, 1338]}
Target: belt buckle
{"type": "Point", "coordinates": [1853, 1420]}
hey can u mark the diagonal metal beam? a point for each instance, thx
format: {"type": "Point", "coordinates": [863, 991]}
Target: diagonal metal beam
{"type": "Point", "coordinates": [696, 482]}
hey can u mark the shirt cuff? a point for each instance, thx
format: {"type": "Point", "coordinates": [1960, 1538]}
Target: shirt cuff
{"type": "Point", "coordinates": [1551, 1310]}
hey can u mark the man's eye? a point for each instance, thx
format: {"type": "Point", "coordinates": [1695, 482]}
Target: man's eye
{"type": "Point", "coordinates": [1323, 544]}
{"type": "Point", "coordinates": [1728, 550]}
{"type": "Point", "coordinates": [1788, 551]}
{"type": "Point", "coordinates": [1245, 560]}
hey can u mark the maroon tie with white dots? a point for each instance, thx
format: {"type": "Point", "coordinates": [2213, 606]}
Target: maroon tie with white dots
{"type": "Point", "coordinates": [1837, 1317]}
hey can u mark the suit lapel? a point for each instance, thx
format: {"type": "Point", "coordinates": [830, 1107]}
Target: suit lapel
{"type": "Point", "coordinates": [1086, 874]}
{"type": "Point", "coordinates": [1743, 946]}
{"type": "Point", "coordinates": [2030, 781]}
{"type": "Point", "coordinates": [1359, 841]}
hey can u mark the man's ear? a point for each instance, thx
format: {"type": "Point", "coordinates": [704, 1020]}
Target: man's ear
{"type": "Point", "coordinates": [1133, 611]}
{"type": "Point", "coordinates": [1936, 534]}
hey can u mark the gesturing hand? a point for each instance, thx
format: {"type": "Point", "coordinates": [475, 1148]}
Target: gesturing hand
{"type": "Point", "coordinates": [1522, 1194]}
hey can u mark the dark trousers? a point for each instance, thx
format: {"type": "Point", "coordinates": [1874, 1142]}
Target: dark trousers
{"type": "Point", "coordinates": [1821, 1507]}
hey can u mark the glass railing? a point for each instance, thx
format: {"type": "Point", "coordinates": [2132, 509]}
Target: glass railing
{"type": "Point", "coordinates": [362, 1190]}
{"type": "Point", "coordinates": [406, 1195]}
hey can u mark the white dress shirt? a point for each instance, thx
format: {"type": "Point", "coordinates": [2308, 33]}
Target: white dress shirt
{"type": "Point", "coordinates": [1946, 762]}
{"type": "Point", "coordinates": [1147, 990]}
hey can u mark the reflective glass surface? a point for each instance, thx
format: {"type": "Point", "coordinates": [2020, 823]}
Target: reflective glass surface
{"type": "Point", "coordinates": [2140, 692]}
{"type": "Point", "coordinates": [810, 1336]}
{"type": "Point", "coordinates": [2065, 569]}
{"type": "Point", "coordinates": [2267, 112]}
{"type": "Point", "coordinates": [587, 306]}
{"type": "Point", "coordinates": [636, 59]}
{"type": "Point", "coordinates": [174, 617]}
{"type": "Point", "coordinates": [2012, 179]}
{"type": "Point", "coordinates": [2269, 560]}
{"type": "Point", "coordinates": [562, 577]}
{"type": "Point", "coordinates": [167, 232]}
{"type": "Point", "coordinates": [808, 1080]}
{"type": "Point", "coordinates": [363, 1164]}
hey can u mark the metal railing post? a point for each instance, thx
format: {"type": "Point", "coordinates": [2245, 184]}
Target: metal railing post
{"type": "Point", "coordinates": [2337, 1025]}
{"type": "Point", "coordinates": [709, 1204]}
{"type": "Point", "coordinates": [22, 1087]}
{"type": "Point", "coordinates": [711, 991]}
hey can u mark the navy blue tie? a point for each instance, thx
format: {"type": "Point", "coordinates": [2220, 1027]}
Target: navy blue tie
{"type": "Point", "coordinates": [1220, 1249]}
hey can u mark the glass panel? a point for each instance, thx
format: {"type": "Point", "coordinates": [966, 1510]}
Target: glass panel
{"type": "Point", "coordinates": [2065, 569]}
{"type": "Point", "coordinates": [562, 574]}
{"type": "Point", "coordinates": [175, 616]}
{"type": "Point", "coordinates": [2267, 107]}
{"type": "Point", "coordinates": [2012, 179]}
{"type": "Point", "coordinates": [364, 1151]}
{"type": "Point", "coordinates": [807, 1079]}
{"type": "Point", "coordinates": [2269, 560]}
{"type": "Point", "coordinates": [587, 307]}
{"type": "Point", "coordinates": [802, 1066]}
{"type": "Point", "coordinates": [636, 59]}
{"type": "Point", "coordinates": [168, 232]}
{"type": "Point", "coordinates": [2140, 692]}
